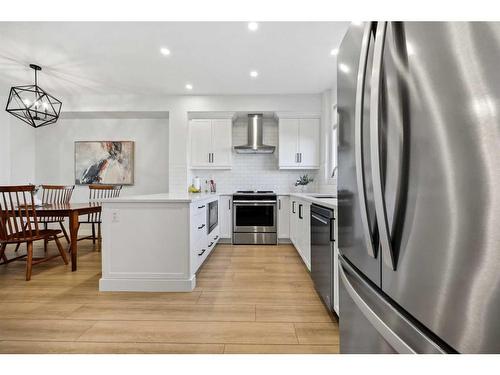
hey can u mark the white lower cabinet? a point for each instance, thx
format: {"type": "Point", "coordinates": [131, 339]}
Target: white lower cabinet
{"type": "Point", "coordinates": [201, 242]}
{"type": "Point", "coordinates": [283, 216]}
{"type": "Point", "coordinates": [226, 216]}
{"type": "Point", "coordinates": [304, 232]}
{"type": "Point", "coordinates": [300, 228]}
{"type": "Point", "coordinates": [293, 220]}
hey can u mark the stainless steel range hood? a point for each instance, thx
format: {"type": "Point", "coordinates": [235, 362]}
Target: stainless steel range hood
{"type": "Point", "coordinates": [254, 144]}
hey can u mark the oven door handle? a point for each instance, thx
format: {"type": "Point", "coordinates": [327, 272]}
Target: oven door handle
{"type": "Point", "coordinates": [253, 202]}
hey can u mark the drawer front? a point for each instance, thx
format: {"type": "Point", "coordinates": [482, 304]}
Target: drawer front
{"type": "Point", "coordinates": [199, 227]}
{"type": "Point", "coordinates": [199, 251]}
{"type": "Point", "coordinates": [199, 208]}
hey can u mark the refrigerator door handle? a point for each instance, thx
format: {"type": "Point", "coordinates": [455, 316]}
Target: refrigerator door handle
{"type": "Point", "coordinates": [422, 343]}
{"type": "Point", "coordinates": [380, 210]}
{"type": "Point", "coordinates": [358, 138]}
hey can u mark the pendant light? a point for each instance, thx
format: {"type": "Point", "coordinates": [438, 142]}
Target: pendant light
{"type": "Point", "coordinates": [32, 104]}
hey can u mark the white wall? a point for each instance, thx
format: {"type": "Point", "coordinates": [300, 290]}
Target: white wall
{"type": "Point", "coordinates": [255, 171]}
{"type": "Point", "coordinates": [42, 155]}
{"type": "Point", "coordinates": [178, 108]}
{"type": "Point", "coordinates": [17, 150]}
{"type": "Point", "coordinates": [328, 100]}
{"type": "Point", "coordinates": [55, 151]}
{"type": "Point", "coordinates": [4, 146]}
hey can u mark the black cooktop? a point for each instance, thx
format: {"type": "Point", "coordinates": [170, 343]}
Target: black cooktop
{"type": "Point", "coordinates": [254, 192]}
{"type": "Point", "coordinates": [254, 195]}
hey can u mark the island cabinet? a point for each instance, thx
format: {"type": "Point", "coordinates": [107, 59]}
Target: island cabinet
{"type": "Point", "coordinates": [155, 243]}
{"type": "Point", "coordinates": [201, 242]}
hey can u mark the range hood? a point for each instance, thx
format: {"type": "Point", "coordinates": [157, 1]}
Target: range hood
{"type": "Point", "coordinates": [254, 144]}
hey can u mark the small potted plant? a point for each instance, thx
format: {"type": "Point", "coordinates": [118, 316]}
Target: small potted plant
{"type": "Point", "coordinates": [302, 182]}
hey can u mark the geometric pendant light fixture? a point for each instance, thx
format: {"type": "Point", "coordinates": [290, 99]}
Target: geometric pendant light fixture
{"type": "Point", "coordinates": [32, 104]}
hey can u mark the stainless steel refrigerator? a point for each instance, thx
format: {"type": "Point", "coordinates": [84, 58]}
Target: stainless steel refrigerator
{"type": "Point", "coordinates": [419, 187]}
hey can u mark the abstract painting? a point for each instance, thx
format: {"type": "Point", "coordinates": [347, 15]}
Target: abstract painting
{"type": "Point", "coordinates": [104, 162]}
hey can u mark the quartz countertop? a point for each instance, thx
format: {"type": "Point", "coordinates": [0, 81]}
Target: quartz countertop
{"type": "Point", "coordinates": [315, 198]}
{"type": "Point", "coordinates": [162, 198]}
{"type": "Point", "coordinates": [318, 198]}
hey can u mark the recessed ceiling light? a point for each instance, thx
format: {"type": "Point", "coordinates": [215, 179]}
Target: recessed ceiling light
{"type": "Point", "coordinates": [253, 26]}
{"type": "Point", "coordinates": [189, 86]}
{"type": "Point", "coordinates": [334, 52]}
{"type": "Point", "coordinates": [254, 74]}
{"type": "Point", "coordinates": [165, 51]}
{"type": "Point", "coordinates": [357, 23]}
{"type": "Point", "coordinates": [344, 68]}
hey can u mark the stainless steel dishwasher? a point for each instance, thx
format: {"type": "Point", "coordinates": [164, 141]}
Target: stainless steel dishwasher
{"type": "Point", "coordinates": [322, 252]}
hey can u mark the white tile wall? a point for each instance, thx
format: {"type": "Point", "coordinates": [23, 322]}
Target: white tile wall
{"type": "Point", "coordinates": [255, 171]}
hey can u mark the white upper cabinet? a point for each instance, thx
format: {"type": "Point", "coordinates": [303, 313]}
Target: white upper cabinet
{"type": "Point", "coordinates": [299, 143]}
{"type": "Point", "coordinates": [211, 143]}
{"type": "Point", "coordinates": [222, 141]}
{"type": "Point", "coordinates": [201, 142]}
{"type": "Point", "coordinates": [309, 143]}
{"type": "Point", "coordinates": [288, 143]}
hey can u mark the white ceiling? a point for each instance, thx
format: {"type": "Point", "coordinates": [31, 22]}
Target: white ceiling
{"type": "Point", "coordinates": [216, 57]}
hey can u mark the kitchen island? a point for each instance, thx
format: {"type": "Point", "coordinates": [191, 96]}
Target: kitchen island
{"type": "Point", "coordinates": [157, 242]}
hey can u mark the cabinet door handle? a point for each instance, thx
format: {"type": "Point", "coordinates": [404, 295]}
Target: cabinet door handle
{"type": "Point", "coordinates": [202, 251]}
{"type": "Point", "coordinates": [229, 208]}
{"type": "Point", "coordinates": [300, 211]}
{"type": "Point", "coordinates": [293, 207]}
{"type": "Point", "coordinates": [202, 226]}
{"type": "Point", "coordinates": [279, 204]}
{"type": "Point", "coordinates": [210, 244]}
{"type": "Point", "coordinates": [215, 238]}
{"type": "Point", "coordinates": [200, 207]}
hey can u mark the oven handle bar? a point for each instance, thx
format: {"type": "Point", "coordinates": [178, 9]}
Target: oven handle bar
{"type": "Point", "coordinates": [254, 202]}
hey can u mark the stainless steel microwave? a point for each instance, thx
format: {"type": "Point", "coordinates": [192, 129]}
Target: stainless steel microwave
{"type": "Point", "coordinates": [212, 215]}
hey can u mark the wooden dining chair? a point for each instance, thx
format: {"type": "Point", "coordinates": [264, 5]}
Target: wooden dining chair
{"type": "Point", "coordinates": [19, 224]}
{"type": "Point", "coordinates": [56, 195]}
{"type": "Point", "coordinates": [96, 194]}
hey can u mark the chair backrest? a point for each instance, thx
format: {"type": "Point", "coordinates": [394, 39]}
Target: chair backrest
{"type": "Point", "coordinates": [56, 194]}
{"type": "Point", "coordinates": [18, 220]}
{"type": "Point", "coordinates": [99, 192]}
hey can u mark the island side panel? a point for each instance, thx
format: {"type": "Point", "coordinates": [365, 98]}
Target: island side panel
{"type": "Point", "coordinates": [146, 247]}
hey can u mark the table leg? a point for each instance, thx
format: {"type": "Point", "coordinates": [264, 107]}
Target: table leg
{"type": "Point", "coordinates": [73, 234]}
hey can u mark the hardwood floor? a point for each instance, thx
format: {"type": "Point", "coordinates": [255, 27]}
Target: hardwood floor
{"type": "Point", "coordinates": [248, 299]}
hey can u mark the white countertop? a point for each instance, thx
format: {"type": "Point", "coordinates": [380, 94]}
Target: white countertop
{"type": "Point", "coordinates": [162, 198]}
{"type": "Point", "coordinates": [312, 197]}
{"type": "Point", "coordinates": [193, 197]}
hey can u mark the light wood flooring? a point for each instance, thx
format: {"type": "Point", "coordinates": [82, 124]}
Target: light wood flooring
{"type": "Point", "coordinates": [248, 299]}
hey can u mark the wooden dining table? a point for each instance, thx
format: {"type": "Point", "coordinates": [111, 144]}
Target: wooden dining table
{"type": "Point", "coordinates": [72, 211]}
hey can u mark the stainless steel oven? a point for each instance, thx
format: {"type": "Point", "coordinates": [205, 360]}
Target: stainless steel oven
{"type": "Point", "coordinates": [254, 218]}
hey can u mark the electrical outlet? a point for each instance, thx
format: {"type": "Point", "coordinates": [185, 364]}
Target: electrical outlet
{"type": "Point", "coordinates": [115, 218]}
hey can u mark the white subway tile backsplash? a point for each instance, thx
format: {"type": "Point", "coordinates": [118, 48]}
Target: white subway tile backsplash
{"type": "Point", "coordinates": [255, 171]}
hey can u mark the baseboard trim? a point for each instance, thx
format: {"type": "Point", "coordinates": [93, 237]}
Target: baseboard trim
{"type": "Point", "coordinates": [146, 285]}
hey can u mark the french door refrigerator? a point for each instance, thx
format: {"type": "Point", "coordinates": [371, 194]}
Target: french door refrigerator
{"type": "Point", "coordinates": [419, 187]}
